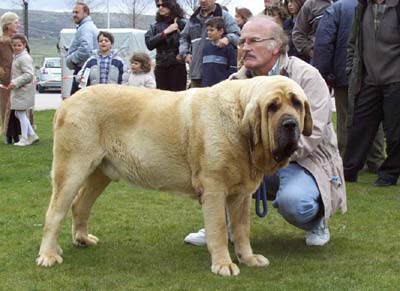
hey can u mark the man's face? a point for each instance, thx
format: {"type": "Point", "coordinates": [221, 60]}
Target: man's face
{"type": "Point", "coordinates": [259, 54]}
{"type": "Point", "coordinates": [78, 14]}
{"type": "Point", "coordinates": [207, 5]}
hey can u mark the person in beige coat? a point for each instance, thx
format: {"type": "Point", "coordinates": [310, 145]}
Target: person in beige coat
{"type": "Point", "coordinates": [312, 186]}
{"type": "Point", "coordinates": [22, 88]}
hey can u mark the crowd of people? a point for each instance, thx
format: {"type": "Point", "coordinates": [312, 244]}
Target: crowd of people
{"type": "Point", "coordinates": [321, 44]}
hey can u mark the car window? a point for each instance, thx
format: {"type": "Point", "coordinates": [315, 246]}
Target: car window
{"type": "Point", "coordinates": [53, 64]}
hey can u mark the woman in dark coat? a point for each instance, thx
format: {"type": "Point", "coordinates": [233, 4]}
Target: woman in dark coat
{"type": "Point", "coordinates": [170, 71]}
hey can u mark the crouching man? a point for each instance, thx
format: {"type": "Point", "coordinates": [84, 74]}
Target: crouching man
{"type": "Point", "coordinates": [311, 188]}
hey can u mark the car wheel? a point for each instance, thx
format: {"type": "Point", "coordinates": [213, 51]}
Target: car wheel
{"type": "Point", "coordinates": [41, 89]}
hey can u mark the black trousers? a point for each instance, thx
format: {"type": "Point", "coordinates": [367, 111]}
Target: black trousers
{"type": "Point", "coordinates": [171, 78]}
{"type": "Point", "coordinates": [75, 84]}
{"type": "Point", "coordinates": [373, 105]}
{"type": "Point", "coordinates": [14, 127]}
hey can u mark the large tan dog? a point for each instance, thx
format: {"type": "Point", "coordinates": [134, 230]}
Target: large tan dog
{"type": "Point", "coordinates": [214, 144]}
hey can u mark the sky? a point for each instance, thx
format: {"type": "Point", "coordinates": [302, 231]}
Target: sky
{"type": "Point", "coordinates": [59, 5]}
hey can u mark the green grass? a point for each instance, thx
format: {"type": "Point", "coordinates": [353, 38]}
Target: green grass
{"type": "Point", "coordinates": [141, 238]}
{"type": "Point", "coordinates": [43, 48]}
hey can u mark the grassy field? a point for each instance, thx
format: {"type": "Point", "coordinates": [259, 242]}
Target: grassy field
{"type": "Point", "coordinates": [141, 238]}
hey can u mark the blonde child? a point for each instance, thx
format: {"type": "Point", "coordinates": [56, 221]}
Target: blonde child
{"type": "Point", "coordinates": [141, 75]}
{"type": "Point", "coordinates": [22, 88]}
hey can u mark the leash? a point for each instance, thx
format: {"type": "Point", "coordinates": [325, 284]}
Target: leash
{"type": "Point", "coordinates": [261, 196]}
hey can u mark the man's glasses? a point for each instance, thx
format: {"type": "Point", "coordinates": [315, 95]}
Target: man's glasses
{"type": "Point", "coordinates": [253, 41]}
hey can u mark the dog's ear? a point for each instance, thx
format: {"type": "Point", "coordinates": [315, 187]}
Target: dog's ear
{"type": "Point", "coordinates": [308, 124]}
{"type": "Point", "coordinates": [251, 122]}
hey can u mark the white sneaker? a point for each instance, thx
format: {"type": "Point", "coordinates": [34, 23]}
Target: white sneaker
{"type": "Point", "coordinates": [318, 236]}
{"type": "Point", "coordinates": [33, 138]}
{"type": "Point", "coordinates": [197, 238]}
{"type": "Point", "coordinates": [23, 142]}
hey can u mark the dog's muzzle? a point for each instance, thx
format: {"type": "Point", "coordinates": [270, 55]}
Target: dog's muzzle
{"type": "Point", "coordinates": [288, 134]}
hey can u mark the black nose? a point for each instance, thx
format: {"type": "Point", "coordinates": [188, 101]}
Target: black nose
{"type": "Point", "coordinates": [289, 124]}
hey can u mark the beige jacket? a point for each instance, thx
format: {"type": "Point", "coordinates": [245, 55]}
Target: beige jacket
{"type": "Point", "coordinates": [23, 77]}
{"type": "Point", "coordinates": [317, 153]}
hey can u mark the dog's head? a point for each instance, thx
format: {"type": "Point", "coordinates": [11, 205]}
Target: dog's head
{"type": "Point", "coordinates": [276, 114]}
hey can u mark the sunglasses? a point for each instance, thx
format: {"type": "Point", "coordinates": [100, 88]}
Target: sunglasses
{"type": "Point", "coordinates": [158, 5]}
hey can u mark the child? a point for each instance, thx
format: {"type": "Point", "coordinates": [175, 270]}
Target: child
{"type": "Point", "coordinates": [141, 75]}
{"type": "Point", "coordinates": [23, 88]}
{"type": "Point", "coordinates": [218, 63]}
{"type": "Point", "coordinates": [104, 67]}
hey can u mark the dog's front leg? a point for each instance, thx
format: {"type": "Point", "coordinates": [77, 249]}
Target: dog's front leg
{"type": "Point", "coordinates": [239, 214]}
{"type": "Point", "coordinates": [217, 239]}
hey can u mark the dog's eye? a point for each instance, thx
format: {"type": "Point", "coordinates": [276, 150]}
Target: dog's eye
{"type": "Point", "coordinates": [296, 102]}
{"type": "Point", "coordinates": [273, 107]}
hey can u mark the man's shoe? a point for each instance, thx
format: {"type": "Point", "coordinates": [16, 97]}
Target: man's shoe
{"type": "Point", "coordinates": [318, 236]}
{"type": "Point", "coordinates": [384, 182]}
{"type": "Point", "coordinates": [33, 139]}
{"type": "Point", "coordinates": [197, 238]}
{"type": "Point", "coordinates": [23, 142]}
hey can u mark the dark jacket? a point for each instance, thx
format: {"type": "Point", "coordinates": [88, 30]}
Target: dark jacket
{"type": "Point", "coordinates": [194, 35]}
{"type": "Point", "coordinates": [167, 45]}
{"type": "Point", "coordinates": [384, 68]}
{"type": "Point", "coordinates": [218, 63]}
{"type": "Point", "coordinates": [330, 47]}
{"type": "Point", "coordinates": [306, 25]}
{"type": "Point", "coordinates": [355, 66]}
{"type": "Point", "coordinates": [288, 25]}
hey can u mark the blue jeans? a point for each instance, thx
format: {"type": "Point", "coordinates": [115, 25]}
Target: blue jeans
{"type": "Point", "coordinates": [298, 199]}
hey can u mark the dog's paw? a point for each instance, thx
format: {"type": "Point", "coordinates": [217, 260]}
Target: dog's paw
{"type": "Point", "coordinates": [255, 261]}
{"type": "Point", "coordinates": [226, 269]}
{"type": "Point", "coordinates": [49, 260]}
{"type": "Point", "coordinates": [85, 241]}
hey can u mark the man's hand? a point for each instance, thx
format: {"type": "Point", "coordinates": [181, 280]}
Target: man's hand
{"type": "Point", "coordinates": [188, 59]}
{"type": "Point", "coordinates": [223, 42]}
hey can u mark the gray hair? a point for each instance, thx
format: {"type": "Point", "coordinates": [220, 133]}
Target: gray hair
{"type": "Point", "coordinates": [279, 35]}
{"type": "Point", "coordinates": [6, 19]}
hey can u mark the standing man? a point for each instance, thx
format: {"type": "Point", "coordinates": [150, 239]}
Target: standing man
{"type": "Point", "coordinates": [330, 49]}
{"type": "Point", "coordinates": [306, 25]}
{"type": "Point", "coordinates": [193, 37]}
{"type": "Point", "coordinates": [84, 42]}
{"type": "Point", "coordinates": [312, 185]}
{"type": "Point", "coordinates": [373, 63]}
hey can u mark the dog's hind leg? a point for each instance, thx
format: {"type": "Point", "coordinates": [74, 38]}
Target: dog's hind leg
{"type": "Point", "coordinates": [68, 175]}
{"type": "Point", "coordinates": [82, 205]}
{"type": "Point", "coordinates": [239, 215]}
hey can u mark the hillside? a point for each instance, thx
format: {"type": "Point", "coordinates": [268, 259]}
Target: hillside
{"type": "Point", "coordinates": [45, 27]}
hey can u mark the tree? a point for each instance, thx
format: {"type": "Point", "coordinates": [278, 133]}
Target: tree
{"type": "Point", "coordinates": [136, 8]}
